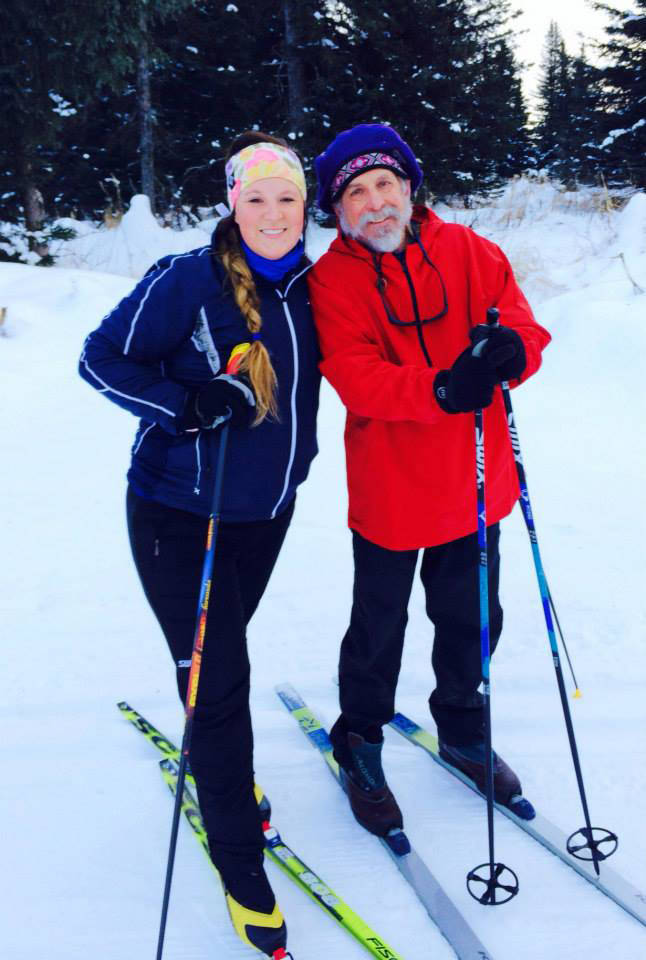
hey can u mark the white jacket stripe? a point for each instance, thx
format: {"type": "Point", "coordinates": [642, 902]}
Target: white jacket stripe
{"type": "Point", "coordinates": [133, 323]}
{"type": "Point", "coordinates": [141, 438]}
{"type": "Point", "coordinates": [126, 396]}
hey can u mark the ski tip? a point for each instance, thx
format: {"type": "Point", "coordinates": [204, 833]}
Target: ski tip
{"type": "Point", "coordinates": [290, 697]}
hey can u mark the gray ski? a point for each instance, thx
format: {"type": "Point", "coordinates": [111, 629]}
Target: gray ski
{"type": "Point", "coordinates": [439, 906]}
{"type": "Point", "coordinates": [612, 884]}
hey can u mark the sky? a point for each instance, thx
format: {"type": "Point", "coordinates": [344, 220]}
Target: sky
{"type": "Point", "coordinates": [576, 21]}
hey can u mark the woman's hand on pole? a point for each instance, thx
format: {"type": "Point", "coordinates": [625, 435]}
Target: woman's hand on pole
{"type": "Point", "coordinates": [225, 395]}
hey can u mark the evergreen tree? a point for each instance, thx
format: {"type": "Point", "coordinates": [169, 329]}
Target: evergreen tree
{"type": "Point", "coordinates": [421, 65]}
{"type": "Point", "coordinates": [585, 119]}
{"type": "Point", "coordinates": [231, 67]}
{"type": "Point", "coordinates": [59, 63]}
{"type": "Point", "coordinates": [554, 106]}
{"type": "Point", "coordinates": [567, 134]}
{"type": "Point", "coordinates": [184, 77]}
{"type": "Point", "coordinates": [624, 94]}
{"type": "Point", "coordinates": [497, 140]}
{"type": "Point", "coordinates": [500, 137]}
{"type": "Point", "coordinates": [217, 81]}
{"type": "Point", "coordinates": [37, 76]}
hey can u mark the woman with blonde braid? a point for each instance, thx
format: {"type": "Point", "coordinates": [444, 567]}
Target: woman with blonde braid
{"type": "Point", "coordinates": [162, 354]}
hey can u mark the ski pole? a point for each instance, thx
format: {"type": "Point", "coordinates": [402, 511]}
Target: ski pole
{"type": "Point", "coordinates": [577, 690]}
{"type": "Point", "coordinates": [587, 833]}
{"type": "Point", "coordinates": [492, 321]}
{"type": "Point", "coordinates": [198, 647]}
{"type": "Point", "coordinates": [497, 879]}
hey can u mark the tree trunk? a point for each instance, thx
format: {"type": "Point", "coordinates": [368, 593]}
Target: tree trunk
{"type": "Point", "coordinates": [294, 61]}
{"type": "Point", "coordinates": [146, 115]}
{"type": "Point", "coordinates": [34, 209]}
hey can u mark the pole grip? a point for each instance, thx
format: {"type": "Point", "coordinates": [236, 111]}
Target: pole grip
{"type": "Point", "coordinates": [493, 317]}
{"type": "Point", "coordinates": [480, 333]}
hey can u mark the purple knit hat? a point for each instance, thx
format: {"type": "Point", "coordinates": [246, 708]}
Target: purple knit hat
{"type": "Point", "coordinates": [361, 148]}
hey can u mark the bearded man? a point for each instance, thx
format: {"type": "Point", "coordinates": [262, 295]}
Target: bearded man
{"type": "Point", "coordinates": [395, 299]}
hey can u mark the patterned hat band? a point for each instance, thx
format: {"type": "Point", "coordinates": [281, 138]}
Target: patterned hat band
{"type": "Point", "coordinates": [357, 165]}
{"type": "Point", "coordinates": [260, 161]}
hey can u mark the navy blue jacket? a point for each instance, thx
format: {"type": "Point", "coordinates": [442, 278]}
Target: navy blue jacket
{"type": "Point", "coordinates": [173, 334]}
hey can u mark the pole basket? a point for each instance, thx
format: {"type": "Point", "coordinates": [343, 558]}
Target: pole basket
{"type": "Point", "coordinates": [500, 884]}
{"type": "Point", "coordinates": [585, 844]}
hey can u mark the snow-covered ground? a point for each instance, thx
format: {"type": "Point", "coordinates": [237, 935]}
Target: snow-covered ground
{"type": "Point", "coordinates": [85, 814]}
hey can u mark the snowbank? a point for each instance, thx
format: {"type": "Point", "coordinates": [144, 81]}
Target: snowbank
{"type": "Point", "coordinates": [550, 235]}
{"type": "Point", "coordinates": [557, 240]}
{"type": "Point", "coordinates": [631, 225]}
{"type": "Point", "coordinates": [130, 247]}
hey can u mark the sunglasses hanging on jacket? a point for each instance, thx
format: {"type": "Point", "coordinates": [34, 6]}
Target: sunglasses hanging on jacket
{"type": "Point", "coordinates": [391, 314]}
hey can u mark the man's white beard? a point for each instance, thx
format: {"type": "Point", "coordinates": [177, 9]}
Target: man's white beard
{"type": "Point", "coordinates": [383, 240]}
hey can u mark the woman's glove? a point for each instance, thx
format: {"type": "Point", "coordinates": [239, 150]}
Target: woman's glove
{"type": "Point", "coordinates": [504, 350]}
{"type": "Point", "coordinates": [467, 386]}
{"type": "Point", "coordinates": [211, 404]}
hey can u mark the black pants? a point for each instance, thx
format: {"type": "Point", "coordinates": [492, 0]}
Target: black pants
{"type": "Point", "coordinates": [371, 650]}
{"type": "Point", "coordinates": [168, 548]}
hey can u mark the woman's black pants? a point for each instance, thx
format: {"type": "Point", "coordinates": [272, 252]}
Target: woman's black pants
{"type": "Point", "coordinates": [168, 547]}
{"type": "Point", "coordinates": [371, 650]}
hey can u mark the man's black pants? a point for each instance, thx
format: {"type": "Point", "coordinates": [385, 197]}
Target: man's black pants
{"type": "Point", "coordinates": [168, 548]}
{"type": "Point", "coordinates": [371, 650]}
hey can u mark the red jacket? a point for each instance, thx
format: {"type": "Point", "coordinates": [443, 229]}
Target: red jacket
{"type": "Point", "coordinates": [411, 467]}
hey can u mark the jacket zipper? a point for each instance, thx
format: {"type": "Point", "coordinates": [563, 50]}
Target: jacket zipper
{"type": "Point", "coordinates": [418, 320]}
{"type": "Point", "coordinates": [292, 332]}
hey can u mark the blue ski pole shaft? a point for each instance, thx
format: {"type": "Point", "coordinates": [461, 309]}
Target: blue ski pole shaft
{"type": "Point", "coordinates": [497, 871]}
{"type": "Point", "coordinates": [194, 674]}
{"type": "Point", "coordinates": [577, 691]}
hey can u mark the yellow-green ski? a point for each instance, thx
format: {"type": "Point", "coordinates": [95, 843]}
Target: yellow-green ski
{"type": "Point", "coordinates": [275, 848]}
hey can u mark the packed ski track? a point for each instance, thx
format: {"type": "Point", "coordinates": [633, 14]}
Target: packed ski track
{"type": "Point", "coordinates": [86, 813]}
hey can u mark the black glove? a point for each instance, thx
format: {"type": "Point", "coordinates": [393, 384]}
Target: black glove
{"type": "Point", "coordinates": [467, 386]}
{"type": "Point", "coordinates": [503, 348]}
{"type": "Point", "coordinates": [212, 403]}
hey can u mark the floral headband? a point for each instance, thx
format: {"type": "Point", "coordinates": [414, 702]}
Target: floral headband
{"type": "Point", "coordinates": [259, 161]}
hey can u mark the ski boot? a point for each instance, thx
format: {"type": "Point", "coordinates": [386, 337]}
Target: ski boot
{"type": "Point", "coordinates": [507, 790]}
{"type": "Point", "coordinates": [362, 778]}
{"type": "Point", "coordinates": [254, 913]}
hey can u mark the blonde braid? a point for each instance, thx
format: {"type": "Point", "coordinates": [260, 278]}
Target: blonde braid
{"type": "Point", "coordinates": [256, 362]}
